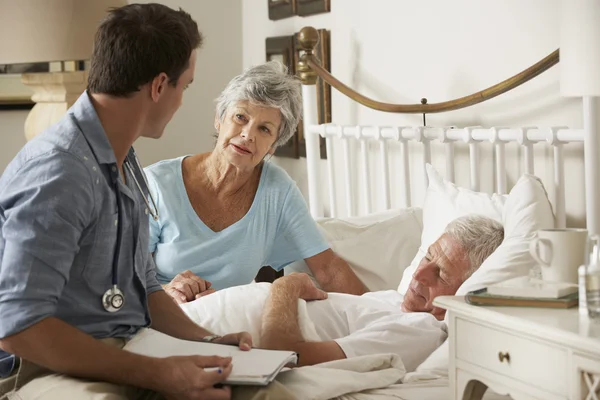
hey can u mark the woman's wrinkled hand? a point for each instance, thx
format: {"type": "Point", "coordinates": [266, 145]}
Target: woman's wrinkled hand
{"type": "Point", "coordinates": [187, 286]}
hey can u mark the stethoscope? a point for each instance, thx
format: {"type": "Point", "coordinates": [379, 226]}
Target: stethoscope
{"type": "Point", "coordinates": [114, 299]}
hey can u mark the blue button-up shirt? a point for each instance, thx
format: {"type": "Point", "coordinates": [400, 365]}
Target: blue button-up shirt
{"type": "Point", "coordinates": [58, 232]}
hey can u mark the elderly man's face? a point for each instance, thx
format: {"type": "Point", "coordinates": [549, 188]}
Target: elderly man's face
{"type": "Point", "coordinates": [440, 272]}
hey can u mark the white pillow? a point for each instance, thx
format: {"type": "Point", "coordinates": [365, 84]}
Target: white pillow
{"type": "Point", "coordinates": [526, 210]}
{"type": "Point", "coordinates": [377, 251]}
{"type": "Point", "coordinates": [378, 216]}
{"type": "Point", "coordinates": [444, 202]}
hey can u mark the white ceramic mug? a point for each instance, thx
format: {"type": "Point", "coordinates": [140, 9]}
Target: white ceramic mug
{"type": "Point", "coordinates": [560, 252]}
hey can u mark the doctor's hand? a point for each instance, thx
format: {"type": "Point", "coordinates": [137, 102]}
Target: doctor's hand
{"type": "Point", "coordinates": [185, 378]}
{"type": "Point", "coordinates": [299, 285]}
{"type": "Point", "coordinates": [187, 286]}
{"type": "Point", "coordinates": [242, 339]}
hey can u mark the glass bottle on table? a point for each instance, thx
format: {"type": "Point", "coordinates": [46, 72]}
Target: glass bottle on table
{"type": "Point", "coordinates": [592, 279]}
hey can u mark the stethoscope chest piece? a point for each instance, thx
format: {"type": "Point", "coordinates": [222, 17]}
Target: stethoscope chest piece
{"type": "Point", "coordinates": [113, 299]}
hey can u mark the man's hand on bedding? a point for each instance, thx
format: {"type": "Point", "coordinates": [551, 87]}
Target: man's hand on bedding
{"type": "Point", "coordinates": [185, 378]}
{"type": "Point", "coordinates": [301, 286]}
{"type": "Point", "coordinates": [243, 339]}
{"type": "Point", "coordinates": [187, 286]}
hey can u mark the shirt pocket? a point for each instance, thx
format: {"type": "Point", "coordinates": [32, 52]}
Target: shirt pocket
{"type": "Point", "coordinates": [102, 246]}
{"type": "Point", "coordinates": [141, 260]}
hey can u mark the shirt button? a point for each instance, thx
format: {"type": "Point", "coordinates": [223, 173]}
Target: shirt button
{"type": "Point", "coordinates": [116, 222]}
{"type": "Point", "coordinates": [94, 168]}
{"type": "Point", "coordinates": [85, 158]}
{"type": "Point", "coordinates": [114, 169]}
{"type": "Point", "coordinates": [146, 211]}
{"type": "Point", "coordinates": [97, 181]}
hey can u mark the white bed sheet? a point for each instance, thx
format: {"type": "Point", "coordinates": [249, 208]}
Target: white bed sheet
{"type": "Point", "coordinates": [243, 314]}
{"type": "Point", "coordinates": [373, 377]}
{"type": "Point", "coordinates": [437, 389]}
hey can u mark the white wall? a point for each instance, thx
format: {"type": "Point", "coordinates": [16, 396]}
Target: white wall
{"type": "Point", "coordinates": [402, 50]}
{"type": "Point", "coordinates": [219, 60]}
{"type": "Point", "coordinates": [12, 137]}
{"type": "Point", "coordinates": [191, 129]}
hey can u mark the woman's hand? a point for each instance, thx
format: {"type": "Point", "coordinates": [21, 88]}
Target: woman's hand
{"type": "Point", "coordinates": [187, 286]}
{"type": "Point", "coordinates": [242, 339]}
{"type": "Point", "coordinates": [185, 378]}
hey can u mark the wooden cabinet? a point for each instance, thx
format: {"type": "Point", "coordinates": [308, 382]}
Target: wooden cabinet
{"type": "Point", "coordinates": [528, 353]}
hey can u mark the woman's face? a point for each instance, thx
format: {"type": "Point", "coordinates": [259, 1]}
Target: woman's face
{"type": "Point", "coordinates": [247, 133]}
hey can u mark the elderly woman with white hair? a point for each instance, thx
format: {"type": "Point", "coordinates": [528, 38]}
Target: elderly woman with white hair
{"type": "Point", "coordinates": [225, 214]}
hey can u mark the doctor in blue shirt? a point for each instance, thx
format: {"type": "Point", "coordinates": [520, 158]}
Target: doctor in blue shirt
{"type": "Point", "coordinates": [226, 213]}
{"type": "Point", "coordinates": [76, 279]}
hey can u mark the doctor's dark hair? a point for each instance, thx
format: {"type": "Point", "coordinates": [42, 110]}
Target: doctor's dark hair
{"type": "Point", "coordinates": [137, 42]}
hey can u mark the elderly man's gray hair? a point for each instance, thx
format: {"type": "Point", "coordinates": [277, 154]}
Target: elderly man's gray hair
{"type": "Point", "coordinates": [267, 85]}
{"type": "Point", "coordinates": [479, 236]}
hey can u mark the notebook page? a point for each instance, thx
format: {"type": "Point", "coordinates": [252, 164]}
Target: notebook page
{"type": "Point", "coordinates": [256, 363]}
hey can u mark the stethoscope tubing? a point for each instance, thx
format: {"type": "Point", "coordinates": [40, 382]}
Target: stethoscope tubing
{"type": "Point", "coordinates": [154, 213]}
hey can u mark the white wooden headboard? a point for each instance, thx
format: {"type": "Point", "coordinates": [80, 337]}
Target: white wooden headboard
{"type": "Point", "coordinates": [359, 149]}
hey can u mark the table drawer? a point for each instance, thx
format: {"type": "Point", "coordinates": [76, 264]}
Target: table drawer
{"type": "Point", "coordinates": [528, 360]}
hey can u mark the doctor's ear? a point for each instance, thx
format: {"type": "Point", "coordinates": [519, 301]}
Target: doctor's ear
{"type": "Point", "coordinates": [217, 123]}
{"type": "Point", "coordinates": [158, 86]}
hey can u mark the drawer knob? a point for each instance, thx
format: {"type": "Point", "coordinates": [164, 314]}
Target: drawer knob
{"type": "Point", "coordinates": [502, 356]}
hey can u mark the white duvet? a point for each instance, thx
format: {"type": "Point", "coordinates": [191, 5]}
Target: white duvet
{"type": "Point", "coordinates": [345, 379]}
{"type": "Point", "coordinates": [240, 308]}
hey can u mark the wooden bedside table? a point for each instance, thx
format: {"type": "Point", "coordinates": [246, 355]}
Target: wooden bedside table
{"type": "Point", "coordinates": [528, 353]}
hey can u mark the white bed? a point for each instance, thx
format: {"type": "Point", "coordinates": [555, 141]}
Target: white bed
{"type": "Point", "coordinates": [370, 169]}
{"type": "Point", "coordinates": [380, 206]}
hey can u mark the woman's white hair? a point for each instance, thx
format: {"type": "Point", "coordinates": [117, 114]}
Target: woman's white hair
{"type": "Point", "coordinates": [479, 236]}
{"type": "Point", "coordinates": [268, 85]}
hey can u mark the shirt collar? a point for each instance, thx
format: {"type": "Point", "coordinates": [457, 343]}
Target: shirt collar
{"type": "Point", "coordinates": [89, 124]}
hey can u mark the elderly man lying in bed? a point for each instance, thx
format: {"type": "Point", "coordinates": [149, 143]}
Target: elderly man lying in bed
{"type": "Point", "coordinates": [284, 316]}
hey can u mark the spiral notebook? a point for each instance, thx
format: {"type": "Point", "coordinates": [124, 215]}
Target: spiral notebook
{"type": "Point", "coordinates": [255, 367]}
